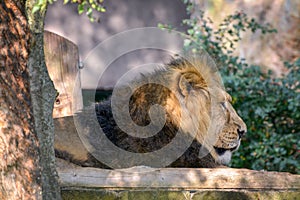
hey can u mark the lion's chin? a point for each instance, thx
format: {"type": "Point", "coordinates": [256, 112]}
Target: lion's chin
{"type": "Point", "coordinates": [224, 155]}
{"type": "Point", "coordinates": [225, 158]}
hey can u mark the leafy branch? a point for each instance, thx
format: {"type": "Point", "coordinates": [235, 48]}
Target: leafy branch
{"type": "Point", "coordinates": [84, 6]}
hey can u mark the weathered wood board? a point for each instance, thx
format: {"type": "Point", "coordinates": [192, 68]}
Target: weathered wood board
{"type": "Point", "coordinates": [178, 178]}
{"type": "Point", "coordinates": [61, 56]}
{"type": "Point", "coordinates": [176, 183]}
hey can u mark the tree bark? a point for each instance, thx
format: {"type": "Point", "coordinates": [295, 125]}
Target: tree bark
{"type": "Point", "coordinates": [43, 96]}
{"type": "Point", "coordinates": [26, 102]}
{"type": "Point", "coordinates": [19, 155]}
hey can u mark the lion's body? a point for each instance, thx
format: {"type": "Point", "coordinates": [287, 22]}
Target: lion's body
{"type": "Point", "coordinates": [195, 104]}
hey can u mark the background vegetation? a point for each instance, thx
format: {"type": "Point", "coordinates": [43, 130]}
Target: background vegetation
{"type": "Point", "coordinates": [270, 106]}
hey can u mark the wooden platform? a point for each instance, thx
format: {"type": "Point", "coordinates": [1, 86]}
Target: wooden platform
{"type": "Point", "coordinates": [180, 183]}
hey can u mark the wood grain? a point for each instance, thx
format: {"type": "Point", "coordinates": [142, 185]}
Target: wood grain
{"type": "Point", "coordinates": [61, 56]}
{"type": "Point", "coordinates": [177, 178]}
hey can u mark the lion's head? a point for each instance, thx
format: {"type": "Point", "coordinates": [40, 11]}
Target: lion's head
{"type": "Point", "coordinates": [207, 104]}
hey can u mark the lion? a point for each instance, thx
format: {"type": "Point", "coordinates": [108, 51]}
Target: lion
{"type": "Point", "coordinates": [193, 104]}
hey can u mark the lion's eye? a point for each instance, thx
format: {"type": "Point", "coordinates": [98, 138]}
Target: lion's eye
{"type": "Point", "coordinates": [223, 104]}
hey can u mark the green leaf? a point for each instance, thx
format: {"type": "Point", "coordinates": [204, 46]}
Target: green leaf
{"type": "Point", "coordinates": [89, 12]}
{"type": "Point", "coordinates": [187, 42]}
{"type": "Point", "coordinates": [190, 31]}
{"type": "Point", "coordinates": [66, 1]}
{"type": "Point", "coordinates": [160, 25]}
{"type": "Point", "coordinates": [80, 8]}
{"type": "Point", "coordinates": [35, 8]}
{"type": "Point", "coordinates": [102, 9]}
{"type": "Point", "coordinates": [41, 2]}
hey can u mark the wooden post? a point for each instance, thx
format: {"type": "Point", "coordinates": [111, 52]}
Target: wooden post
{"type": "Point", "coordinates": [62, 59]}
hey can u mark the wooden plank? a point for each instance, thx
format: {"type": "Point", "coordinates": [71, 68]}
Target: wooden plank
{"type": "Point", "coordinates": [62, 58]}
{"type": "Point", "coordinates": [176, 178]}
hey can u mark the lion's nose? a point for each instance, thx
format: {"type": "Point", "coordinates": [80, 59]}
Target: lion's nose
{"type": "Point", "coordinates": [241, 133]}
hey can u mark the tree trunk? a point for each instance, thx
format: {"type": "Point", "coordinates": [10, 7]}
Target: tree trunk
{"type": "Point", "coordinates": [20, 174]}
{"type": "Point", "coordinates": [43, 96]}
{"type": "Point", "coordinates": [26, 101]}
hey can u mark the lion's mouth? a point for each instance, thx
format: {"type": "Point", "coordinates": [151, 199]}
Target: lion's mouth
{"type": "Point", "coordinates": [221, 151]}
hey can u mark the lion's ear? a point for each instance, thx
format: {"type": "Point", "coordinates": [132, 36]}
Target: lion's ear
{"type": "Point", "coordinates": [189, 82]}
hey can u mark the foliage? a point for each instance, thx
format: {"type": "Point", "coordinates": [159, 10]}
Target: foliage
{"type": "Point", "coordinates": [269, 106]}
{"type": "Point", "coordinates": [40, 5]}
{"type": "Point", "coordinates": [271, 109]}
{"type": "Point", "coordinates": [84, 6]}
